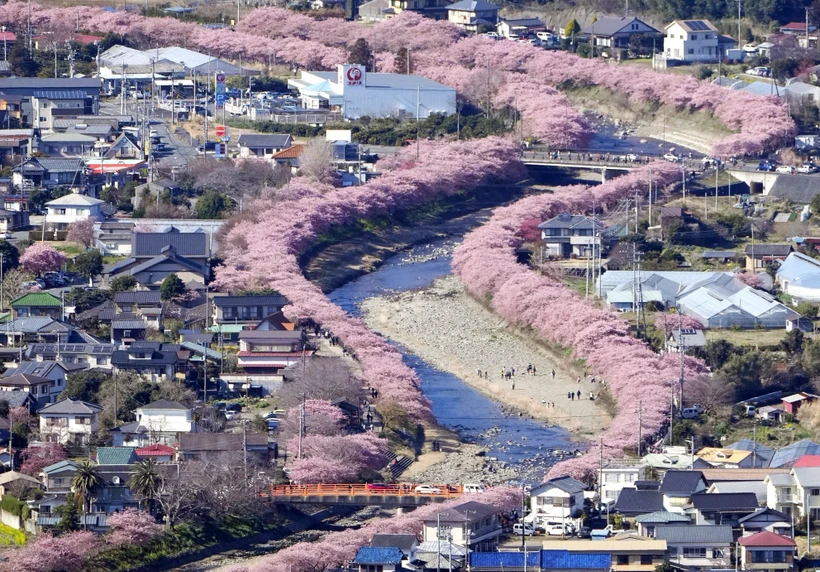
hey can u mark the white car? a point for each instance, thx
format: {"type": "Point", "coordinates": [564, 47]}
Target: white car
{"type": "Point", "coordinates": [427, 490]}
{"type": "Point", "coordinates": [671, 157]}
{"type": "Point", "coordinates": [558, 530]}
{"type": "Point", "coordinates": [807, 168]}
{"type": "Point", "coordinates": [525, 529]}
{"type": "Point", "coordinates": [785, 169]}
{"type": "Point", "coordinates": [231, 415]}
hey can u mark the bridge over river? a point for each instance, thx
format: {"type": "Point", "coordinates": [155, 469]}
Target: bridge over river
{"type": "Point", "coordinates": [399, 495]}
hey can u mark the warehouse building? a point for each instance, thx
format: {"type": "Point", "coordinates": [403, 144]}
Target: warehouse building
{"type": "Point", "coordinates": [357, 93]}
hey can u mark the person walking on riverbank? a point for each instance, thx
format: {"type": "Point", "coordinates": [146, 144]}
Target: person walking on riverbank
{"type": "Point", "coordinates": [553, 374]}
{"type": "Point", "coordinates": [513, 385]}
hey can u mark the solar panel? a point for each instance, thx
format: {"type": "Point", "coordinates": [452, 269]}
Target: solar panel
{"type": "Point", "coordinates": [696, 25]}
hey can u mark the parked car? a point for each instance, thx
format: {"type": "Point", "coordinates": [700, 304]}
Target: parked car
{"type": "Point", "coordinates": [472, 488]}
{"type": "Point", "coordinates": [558, 530]}
{"type": "Point", "coordinates": [230, 415]}
{"type": "Point", "coordinates": [234, 407]}
{"type": "Point", "coordinates": [807, 168]}
{"type": "Point", "coordinates": [523, 528]}
{"type": "Point", "coordinates": [765, 166]}
{"type": "Point", "coordinates": [427, 490]}
{"type": "Point", "coordinates": [785, 169]}
{"type": "Point", "coordinates": [7, 235]}
{"type": "Point", "coordinates": [671, 157]}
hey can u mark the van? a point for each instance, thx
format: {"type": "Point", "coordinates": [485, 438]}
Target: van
{"type": "Point", "coordinates": [472, 488]}
{"type": "Point", "coordinates": [690, 413]}
{"type": "Point", "coordinates": [523, 528]}
{"type": "Point", "coordinates": [546, 36]}
{"type": "Point", "coordinates": [750, 410]}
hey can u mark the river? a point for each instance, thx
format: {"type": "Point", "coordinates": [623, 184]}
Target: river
{"type": "Point", "coordinates": [456, 405]}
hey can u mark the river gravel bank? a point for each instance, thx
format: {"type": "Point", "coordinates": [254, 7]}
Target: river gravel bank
{"type": "Point", "coordinates": [449, 329]}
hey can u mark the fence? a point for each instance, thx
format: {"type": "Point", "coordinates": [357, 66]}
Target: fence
{"type": "Point", "coordinates": [294, 118]}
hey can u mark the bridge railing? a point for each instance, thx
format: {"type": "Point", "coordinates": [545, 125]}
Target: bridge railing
{"type": "Point", "coordinates": [592, 159]}
{"type": "Point", "coordinates": [359, 489]}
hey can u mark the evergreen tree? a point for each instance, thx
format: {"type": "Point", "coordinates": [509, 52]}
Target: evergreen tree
{"type": "Point", "coordinates": [361, 54]}
{"type": "Point", "coordinates": [89, 263]}
{"type": "Point", "coordinates": [171, 287]}
{"type": "Point", "coordinates": [21, 61]}
{"type": "Point", "coordinates": [402, 62]}
{"type": "Point", "coordinates": [69, 515]}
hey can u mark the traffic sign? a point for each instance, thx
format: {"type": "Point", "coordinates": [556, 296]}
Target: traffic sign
{"type": "Point", "coordinates": [225, 139]}
{"type": "Point", "coordinates": [220, 131]}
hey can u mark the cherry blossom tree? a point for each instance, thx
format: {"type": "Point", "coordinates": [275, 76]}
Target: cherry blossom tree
{"type": "Point", "coordinates": [40, 258]}
{"type": "Point", "coordinates": [82, 232]}
{"type": "Point", "coordinates": [132, 527]}
{"type": "Point", "coordinates": [47, 553]}
{"type": "Point", "coordinates": [35, 459]}
{"type": "Point", "coordinates": [749, 279]}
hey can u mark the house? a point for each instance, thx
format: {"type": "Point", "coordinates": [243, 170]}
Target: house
{"type": "Point", "coordinates": [71, 208]}
{"type": "Point", "coordinates": [470, 14]}
{"type": "Point", "coordinates": [66, 144]}
{"type": "Point", "coordinates": [782, 495]}
{"type": "Point", "coordinates": [691, 41]}
{"type": "Point", "coordinates": [765, 519]}
{"type": "Point", "coordinates": [723, 508]}
{"type": "Point", "coordinates": [155, 255]}
{"type": "Point", "coordinates": [159, 422]}
{"type": "Point", "coordinates": [670, 459]}
{"type": "Point", "coordinates": [114, 237]}
{"type": "Point", "coordinates": [55, 372]}
{"type": "Point", "coordinates": [557, 499]}
{"type": "Point", "coordinates": [802, 92]}
{"type": "Point", "coordinates": [685, 339]}
{"type": "Point", "coordinates": [770, 413]}
{"type": "Point", "coordinates": [12, 481]}
{"type": "Point", "coordinates": [807, 461]}
{"type": "Point", "coordinates": [758, 256]}
{"type": "Point", "coordinates": [767, 551]}
{"type": "Point", "coordinates": [116, 456]}
{"type": "Point", "coordinates": [375, 11]}
{"type": "Point", "coordinates": [147, 304]}
{"type": "Point", "coordinates": [49, 172]}
{"type": "Point", "coordinates": [38, 387]}
{"type": "Point", "coordinates": [373, 559]}
{"type": "Point", "coordinates": [127, 147]}
{"type": "Point", "coordinates": [757, 488]}
{"type": "Point", "coordinates": [616, 475]}
{"type": "Point", "coordinates": [48, 105]}
{"type": "Point", "coordinates": [19, 399]}
{"type": "Point", "coordinates": [703, 546]}
{"type": "Point", "coordinates": [678, 487]}
{"type": "Point", "coordinates": [69, 422]}
{"type": "Point", "coordinates": [91, 355]}
{"type": "Point", "coordinates": [246, 309]}
{"type": "Point", "coordinates": [13, 220]}
{"type": "Point", "coordinates": [797, 28]}
{"type": "Point", "coordinates": [522, 27]}
{"type": "Point", "coordinates": [407, 543]}
{"type": "Point", "coordinates": [725, 458]}
{"type": "Point", "coordinates": [262, 146]}
{"type": "Point", "coordinates": [157, 452]}
{"type": "Point", "coordinates": [614, 32]}
{"type": "Point", "coordinates": [214, 445]}
{"type": "Point", "coordinates": [788, 455]}
{"type": "Point", "coordinates": [568, 235]}
{"type": "Point", "coordinates": [506, 561]}
{"type": "Point", "coordinates": [271, 351]}
{"type": "Point", "coordinates": [761, 454]}
{"type": "Point", "coordinates": [799, 277]}
{"type": "Point", "coordinates": [37, 304]}
{"type": "Point", "coordinates": [471, 524]}
{"type": "Point", "coordinates": [649, 522]}
{"type": "Point", "coordinates": [627, 552]}
{"type": "Point", "coordinates": [22, 331]}
{"type": "Point", "coordinates": [792, 403]}
{"type": "Point", "coordinates": [634, 502]}
{"type": "Point", "coordinates": [128, 331]}
{"type": "Point", "coordinates": [290, 156]}
{"type": "Point", "coordinates": [153, 360]}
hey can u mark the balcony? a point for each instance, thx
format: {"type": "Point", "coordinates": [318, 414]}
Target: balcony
{"type": "Point", "coordinates": [787, 498]}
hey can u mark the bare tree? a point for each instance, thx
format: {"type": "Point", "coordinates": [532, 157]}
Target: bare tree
{"type": "Point", "coordinates": [13, 284]}
{"type": "Point", "coordinates": [316, 162]}
{"type": "Point", "coordinates": [177, 491]}
{"type": "Point", "coordinates": [711, 391]}
{"type": "Point", "coordinates": [226, 485]}
{"type": "Point", "coordinates": [325, 378]}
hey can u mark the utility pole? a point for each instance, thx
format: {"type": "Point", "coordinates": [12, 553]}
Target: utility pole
{"type": "Point", "coordinates": [717, 172]}
{"type": "Point", "coordinates": [301, 426]}
{"type": "Point", "coordinates": [739, 3]}
{"type": "Point", "coordinates": [418, 120]}
{"type": "Point", "coordinates": [640, 427]}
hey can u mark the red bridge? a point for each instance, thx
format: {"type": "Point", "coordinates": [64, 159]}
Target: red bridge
{"type": "Point", "coordinates": [362, 494]}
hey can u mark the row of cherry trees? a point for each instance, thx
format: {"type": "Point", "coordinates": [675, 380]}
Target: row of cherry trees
{"type": "Point", "coordinates": [634, 374]}
{"type": "Point", "coordinates": [260, 257]}
{"type": "Point", "coordinates": [69, 552]}
{"type": "Point", "coordinates": [339, 548]}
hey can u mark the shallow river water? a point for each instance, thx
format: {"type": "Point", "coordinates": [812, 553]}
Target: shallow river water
{"type": "Point", "coordinates": [456, 405]}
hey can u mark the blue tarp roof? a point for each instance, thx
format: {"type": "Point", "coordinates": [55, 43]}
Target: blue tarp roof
{"type": "Point", "coordinates": [566, 560]}
{"type": "Point", "coordinates": [504, 559]}
{"type": "Point", "coordinates": [378, 555]}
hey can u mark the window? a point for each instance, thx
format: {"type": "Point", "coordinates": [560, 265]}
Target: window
{"type": "Point", "coordinates": [623, 559]}
{"type": "Point", "coordinates": [611, 478]}
{"type": "Point", "coordinates": [717, 553]}
{"type": "Point", "coordinates": [646, 559]}
{"type": "Point", "coordinates": [815, 492]}
{"type": "Point", "coordinates": [690, 51]}
{"type": "Point", "coordinates": [102, 361]}
{"type": "Point", "coordinates": [693, 552]}
{"type": "Point", "coordinates": [694, 36]}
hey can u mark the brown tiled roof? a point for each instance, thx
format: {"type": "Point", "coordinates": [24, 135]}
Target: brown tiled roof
{"type": "Point", "coordinates": [291, 152]}
{"type": "Point", "coordinates": [712, 475]}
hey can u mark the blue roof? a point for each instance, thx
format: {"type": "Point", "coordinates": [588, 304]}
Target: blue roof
{"type": "Point", "coordinates": [787, 456]}
{"type": "Point", "coordinates": [503, 559]}
{"type": "Point", "coordinates": [378, 555]}
{"type": "Point", "coordinates": [566, 560]}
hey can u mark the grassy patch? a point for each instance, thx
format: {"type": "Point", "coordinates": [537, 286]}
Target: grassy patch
{"type": "Point", "coordinates": [109, 259]}
{"type": "Point", "coordinates": [70, 249]}
{"type": "Point", "coordinates": [751, 337]}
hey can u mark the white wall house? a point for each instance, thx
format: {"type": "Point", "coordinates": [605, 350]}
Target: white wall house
{"type": "Point", "coordinates": [556, 500]}
{"type": "Point", "coordinates": [69, 422]}
{"type": "Point", "coordinates": [71, 208]}
{"type": "Point", "coordinates": [163, 419]}
{"type": "Point", "coordinates": [471, 523]}
{"type": "Point", "coordinates": [795, 493]}
{"type": "Point", "coordinates": [616, 476]}
{"type": "Point", "coordinates": [691, 41]}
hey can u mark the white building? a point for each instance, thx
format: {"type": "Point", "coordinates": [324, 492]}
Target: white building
{"type": "Point", "coordinates": [556, 500]}
{"type": "Point", "coordinates": [163, 419]}
{"type": "Point", "coordinates": [795, 492]}
{"type": "Point", "coordinates": [357, 93]}
{"type": "Point", "coordinates": [69, 421]}
{"type": "Point", "coordinates": [799, 277]}
{"type": "Point", "coordinates": [617, 475]}
{"type": "Point", "coordinates": [71, 208]}
{"type": "Point", "coordinates": [691, 41]}
{"type": "Point", "coordinates": [470, 524]}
